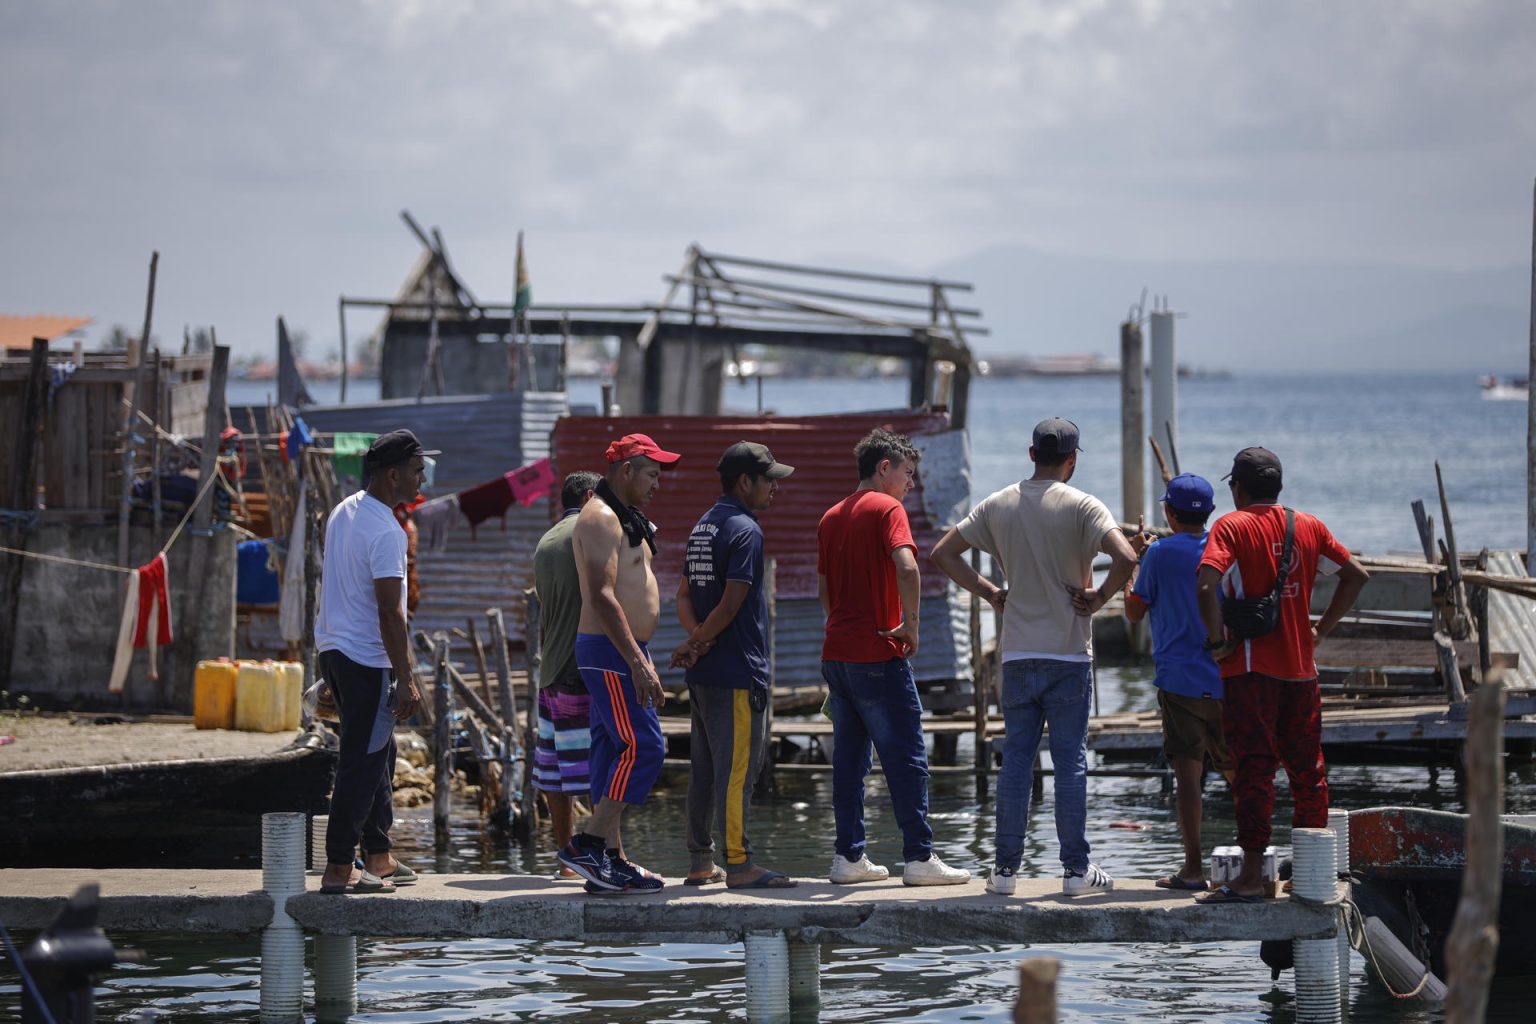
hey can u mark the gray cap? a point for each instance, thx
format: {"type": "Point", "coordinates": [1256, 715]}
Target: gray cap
{"type": "Point", "coordinates": [1056, 436]}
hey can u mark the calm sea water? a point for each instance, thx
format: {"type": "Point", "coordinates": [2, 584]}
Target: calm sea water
{"type": "Point", "coordinates": [1357, 450]}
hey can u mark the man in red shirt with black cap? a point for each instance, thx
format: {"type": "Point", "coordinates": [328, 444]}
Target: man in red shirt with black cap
{"type": "Point", "coordinates": [1272, 712]}
{"type": "Point", "coordinates": [614, 543]}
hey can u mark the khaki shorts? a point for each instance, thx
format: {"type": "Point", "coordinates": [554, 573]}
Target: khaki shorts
{"type": "Point", "coordinates": [1192, 729]}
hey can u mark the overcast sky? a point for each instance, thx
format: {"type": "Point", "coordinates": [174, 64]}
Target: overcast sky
{"type": "Point", "coordinates": [266, 148]}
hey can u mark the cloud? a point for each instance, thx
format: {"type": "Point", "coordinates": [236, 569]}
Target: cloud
{"type": "Point", "coordinates": [266, 148]}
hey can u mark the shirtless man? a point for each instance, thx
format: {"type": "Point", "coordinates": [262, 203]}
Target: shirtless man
{"type": "Point", "coordinates": [614, 543]}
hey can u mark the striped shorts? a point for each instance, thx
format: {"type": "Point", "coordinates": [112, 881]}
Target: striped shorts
{"type": "Point", "coordinates": [560, 755]}
{"type": "Point", "coordinates": [627, 745]}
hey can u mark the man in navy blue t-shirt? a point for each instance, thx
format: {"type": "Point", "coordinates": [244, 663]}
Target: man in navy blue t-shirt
{"type": "Point", "coordinates": [724, 609]}
{"type": "Point", "coordinates": [1188, 681]}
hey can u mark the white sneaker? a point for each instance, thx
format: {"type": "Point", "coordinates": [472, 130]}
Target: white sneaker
{"type": "Point", "coordinates": [1091, 880]}
{"type": "Point", "coordinates": [933, 872]}
{"type": "Point", "coordinates": [1001, 881]}
{"type": "Point", "coordinates": [846, 872]}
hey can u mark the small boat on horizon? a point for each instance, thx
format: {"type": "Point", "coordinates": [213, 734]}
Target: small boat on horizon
{"type": "Point", "coordinates": [1504, 389]}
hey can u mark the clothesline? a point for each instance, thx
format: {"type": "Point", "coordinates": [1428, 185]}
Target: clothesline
{"type": "Point", "coordinates": [202, 493]}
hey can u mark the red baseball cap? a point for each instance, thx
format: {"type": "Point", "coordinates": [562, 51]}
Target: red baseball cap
{"type": "Point", "coordinates": [630, 445]}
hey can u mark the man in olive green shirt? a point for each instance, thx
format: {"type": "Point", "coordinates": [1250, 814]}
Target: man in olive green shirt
{"type": "Point", "coordinates": [560, 756]}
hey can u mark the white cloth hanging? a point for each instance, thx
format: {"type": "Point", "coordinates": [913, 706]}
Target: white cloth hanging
{"type": "Point", "coordinates": [290, 609]}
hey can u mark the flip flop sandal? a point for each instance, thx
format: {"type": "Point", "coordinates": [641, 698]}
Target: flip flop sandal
{"type": "Point", "coordinates": [768, 880]}
{"type": "Point", "coordinates": [1226, 894]}
{"type": "Point", "coordinates": [367, 884]}
{"type": "Point", "coordinates": [1173, 881]}
{"type": "Point", "coordinates": [402, 875]}
{"type": "Point", "coordinates": [717, 876]}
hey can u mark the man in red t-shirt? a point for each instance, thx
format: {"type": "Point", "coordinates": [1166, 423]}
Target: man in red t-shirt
{"type": "Point", "coordinates": [866, 563]}
{"type": "Point", "coordinates": [1272, 713]}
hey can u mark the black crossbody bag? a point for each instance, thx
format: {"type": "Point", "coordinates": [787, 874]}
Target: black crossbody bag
{"type": "Point", "coordinates": [1251, 617]}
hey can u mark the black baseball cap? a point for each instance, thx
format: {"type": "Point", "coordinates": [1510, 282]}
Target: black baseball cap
{"type": "Point", "coordinates": [393, 448]}
{"type": "Point", "coordinates": [1056, 436]}
{"type": "Point", "coordinates": [1255, 466]}
{"type": "Point", "coordinates": [754, 459]}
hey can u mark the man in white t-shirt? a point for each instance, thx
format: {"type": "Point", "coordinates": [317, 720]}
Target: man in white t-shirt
{"type": "Point", "coordinates": [360, 633]}
{"type": "Point", "coordinates": [1044, 534]}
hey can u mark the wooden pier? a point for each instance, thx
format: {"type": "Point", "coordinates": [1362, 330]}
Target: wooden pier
{"type": "Point", "coordinates": [536, 908]}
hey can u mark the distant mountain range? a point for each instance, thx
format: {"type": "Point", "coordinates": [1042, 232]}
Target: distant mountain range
{"type": "Point", "coordinates": [1256, 316]}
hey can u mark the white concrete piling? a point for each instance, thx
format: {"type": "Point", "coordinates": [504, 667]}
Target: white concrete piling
{"type": "Point", "coordinates": [767, 978]}
{"type": "Point", "coordinates": [335, 977]}
{"type": "Point", "coordinates": [1338, 821]}
{"type": "Point", "coordinates": [282, 942]}
{"type": "Point", "coordinates": [1314, 868]}
{"type": "Point", "coordinates": [804, 978]}
{"type": "Point", "coordinates": [317, 826]}
{"type": "Point", "coordinates": [1164, 380]}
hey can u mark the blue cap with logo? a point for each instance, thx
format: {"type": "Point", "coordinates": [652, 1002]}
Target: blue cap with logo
{"type": "Point", "coordinates": [1189, 493]}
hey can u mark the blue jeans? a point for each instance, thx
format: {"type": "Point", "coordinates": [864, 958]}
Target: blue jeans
{"type": "Point", "coordinates": [1037, 692]}
{"type": "Point", "coordinates": [876, 703]}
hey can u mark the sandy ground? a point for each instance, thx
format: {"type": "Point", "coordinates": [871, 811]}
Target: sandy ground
{"type": "Point", "coordinates": [57, 743]}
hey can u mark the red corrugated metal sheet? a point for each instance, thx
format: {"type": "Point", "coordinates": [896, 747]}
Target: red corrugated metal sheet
{"type": "Point", "coordinates": [819, 447]}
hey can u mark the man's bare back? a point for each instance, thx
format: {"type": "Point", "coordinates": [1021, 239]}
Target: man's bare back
{"type": "Point", "coordinates": [604, 556]}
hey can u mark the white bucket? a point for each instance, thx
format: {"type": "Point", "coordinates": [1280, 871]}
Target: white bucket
{"type": "Point", "coordinates": [282, 975]}
{"type": "Point", "coordinates": [804, 977]}
{"type": "Point", "coordinates": [335, 977]}
{"type": "Point", "coordinates": [767, 978]}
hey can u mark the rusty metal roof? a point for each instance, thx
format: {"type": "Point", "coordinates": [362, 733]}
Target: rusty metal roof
{"type": "Point", "coordinates": [821, 450]}
{"type": "Point", "coordinates": [819, 447]}
{"type": "Point", "coordinates": [18, 331]}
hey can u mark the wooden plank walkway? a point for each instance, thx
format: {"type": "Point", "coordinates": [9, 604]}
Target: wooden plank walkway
{"type": "Point", "coordinates": [534, 907]}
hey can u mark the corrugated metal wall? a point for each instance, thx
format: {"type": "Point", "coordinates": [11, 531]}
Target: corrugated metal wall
{"type": "Point", "coordinates": [1512, 620]}
{"type": "Point", "coordinates": [481, 436]}
{"type": "Point", "coordinates": [821, 450]}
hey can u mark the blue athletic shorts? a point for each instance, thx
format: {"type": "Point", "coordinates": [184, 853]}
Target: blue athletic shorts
{"type": "Point", "coordinates": [627, 747]}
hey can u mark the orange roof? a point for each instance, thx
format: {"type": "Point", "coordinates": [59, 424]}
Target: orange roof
{"type": "Point", "coordinates": [18, 331]}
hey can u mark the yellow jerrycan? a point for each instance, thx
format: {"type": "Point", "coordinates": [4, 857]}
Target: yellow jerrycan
{"type": "Point", "coordinates": [213, 694]}
{"type": "Point", "coordinates": [258, 698]}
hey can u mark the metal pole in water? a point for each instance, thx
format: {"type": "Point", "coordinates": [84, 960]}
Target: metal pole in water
{"type": "Point", "coordinates": [282, 942]}
{"type": "Point", "coordinates": [335, 978]}
{"type": "Point", "coordinates": [767, 955]}
{"type": "Point", "coordinates": [1530, 416]}
{"type": "Point", "coordinates": [1338, 821]}
{"type": "Point", "coordinates": [1314, 877]}
{"type": "Point", "coordinates": [1165, 390]}
{"type": "Point", "coordinates": [804, 978]}
{"type": "Point", "coordinates": [1134, 499]}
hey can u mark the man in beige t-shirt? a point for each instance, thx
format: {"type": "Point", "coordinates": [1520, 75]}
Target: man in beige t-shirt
{"type": "Point", "coordinates": [1044, 534]}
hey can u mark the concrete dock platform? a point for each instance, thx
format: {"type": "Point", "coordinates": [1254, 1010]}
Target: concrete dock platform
{"type": "Point", "coordinates": [533, 907]}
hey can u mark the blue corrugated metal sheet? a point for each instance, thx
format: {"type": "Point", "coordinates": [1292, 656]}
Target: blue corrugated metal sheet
{"type": "Point", "coordinates": [481, 436]}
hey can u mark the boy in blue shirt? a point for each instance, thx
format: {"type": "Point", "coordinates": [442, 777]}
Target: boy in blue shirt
{"type": "Point", "coordinates": [1188, 682]}
{"type": "Point", "coordinates": [723, 606]}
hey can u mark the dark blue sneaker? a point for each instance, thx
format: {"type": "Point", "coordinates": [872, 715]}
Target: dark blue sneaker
{"type": "Point", "coordinates": [635, 877]}
{"type": "Point", "coordinates": [591, 863]}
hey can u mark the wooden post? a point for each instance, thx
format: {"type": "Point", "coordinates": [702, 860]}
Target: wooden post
{"type": "Point", "coordinates": [766, 783]}
{"type": "Point", "coordinates": [1133, 475]}
{"type": "Point", "coordinates": [442, 748]}
{"type": "Point", "coordinates": [22, 500]}
{"type": "Point", "coordinates": [1473, 944]}
{"type": "Point", "coordinates": [1450, 672]}
{"type": "Point", "coordinates": [131, 415]}
{"type": "Point", "coordinates": [479, 648]}
{"type": "Point", "coordinates": [1530, 417]}
{"type": "Point", "coordinates": [1037, 991]}
{"type": "Point", "coordinates": [213, 426]}
{"type": "Point", "coordinates": [314, 524]}
{"type": "Point", "coordinates": [533, 637]}
{"type": "Point", "coordinates": [1461, 626]}
{"type": "Point", "coordinates": [980, 686]}
{"type": "Point", "coordinates": [341, 316]}
{"type": "Point", "coordinates": [154, 460]}
{"type": "Point", "coordinates": [511, 749]}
